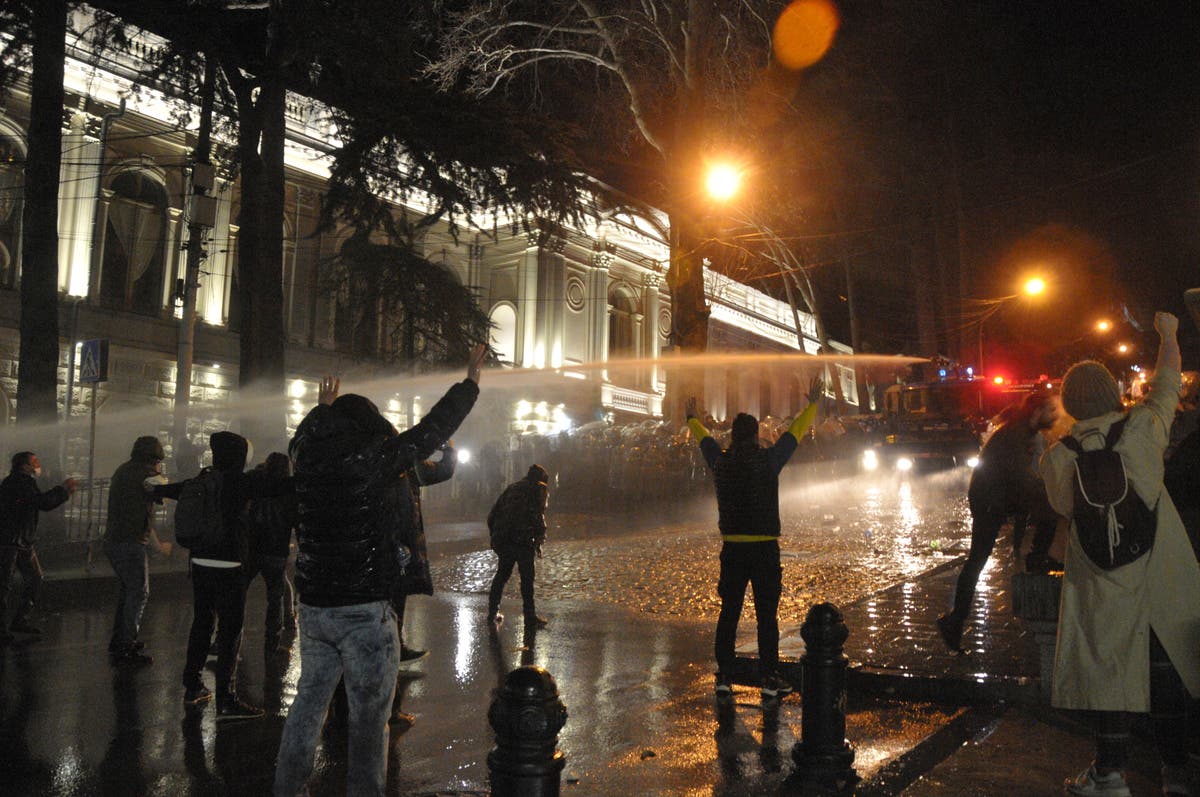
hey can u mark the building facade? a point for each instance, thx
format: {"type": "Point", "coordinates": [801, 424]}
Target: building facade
{"type": "Point", "coordinates": [588, 308]}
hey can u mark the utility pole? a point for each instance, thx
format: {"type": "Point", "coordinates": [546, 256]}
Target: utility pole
{"type": "Point", "coordinates": [201, 220]}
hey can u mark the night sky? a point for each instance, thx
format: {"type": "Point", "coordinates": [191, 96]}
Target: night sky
{"type": "Point", "coordinates": [1057, 138]}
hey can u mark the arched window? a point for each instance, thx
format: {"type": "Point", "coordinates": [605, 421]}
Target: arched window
{"type": "Point", "coordinates": [504, 332]}
{"type": "Point", "coordinates": [131, 275]}
{"type": "Point", "coordinates": [11, 195]}
{"type": "Point", "coordinates": [621, 309]}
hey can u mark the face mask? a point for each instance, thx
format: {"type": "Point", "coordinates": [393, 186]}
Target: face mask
{"type": "Point", "coordinates": [37, 473]}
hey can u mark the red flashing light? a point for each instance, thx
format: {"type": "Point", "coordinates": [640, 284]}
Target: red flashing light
{"type": "Point", "coordinates": [997, 380]}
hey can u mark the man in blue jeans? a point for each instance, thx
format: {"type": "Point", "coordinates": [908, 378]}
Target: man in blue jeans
{"type": "Point", "coordinates": [348, 466]}
{"type": "Point", "coordinates": [747, 479]}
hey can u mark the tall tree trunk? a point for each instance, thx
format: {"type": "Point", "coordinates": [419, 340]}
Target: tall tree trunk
{"type": "Point", "coordinates": [37, 369]}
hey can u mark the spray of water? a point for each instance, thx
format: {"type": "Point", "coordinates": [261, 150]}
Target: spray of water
{"type": "Point", "coordinates": [404, 397]}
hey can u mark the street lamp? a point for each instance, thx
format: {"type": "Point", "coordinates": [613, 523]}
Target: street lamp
{"type": "Point", "coordinates": [1033, 286]}
{"type": "Point", "coordinates": [1103, 325]}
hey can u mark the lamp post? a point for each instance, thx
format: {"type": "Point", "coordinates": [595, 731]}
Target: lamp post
{"type": "Point", "coordinates": [1034, 286]}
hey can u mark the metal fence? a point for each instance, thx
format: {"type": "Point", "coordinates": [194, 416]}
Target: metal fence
{"type": "Point", "coordinates": [86, 514]}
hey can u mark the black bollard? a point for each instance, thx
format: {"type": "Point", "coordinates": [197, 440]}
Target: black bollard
{"type": "Point", "coordinates": [526, 715]}
{"type": "Point", "coordinates": [823, 757]}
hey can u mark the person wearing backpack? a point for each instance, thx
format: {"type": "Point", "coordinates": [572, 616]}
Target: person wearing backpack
{"type": "Point", "coordinates": [133, 492]}
{"type": "Point", "coordinates": [348, 463]}
{"type": "Point", "coordinates": [516, 530]}
{"type": "Point", "coordinates": [1129, 617]}
{"type": "Point", "coordinates": [211, 520]}
{"type": "Point", "coordinates": [1005, 484]}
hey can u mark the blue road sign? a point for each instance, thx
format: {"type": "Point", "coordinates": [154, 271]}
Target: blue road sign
{"type": "Point", "coordinates": [93, 361]}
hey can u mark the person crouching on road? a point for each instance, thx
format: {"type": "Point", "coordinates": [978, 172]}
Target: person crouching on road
{"type": "Point", "coordinates": [747, 481]}
{"type": "Point", "coordinates": [1128, 637]}
{"type": "Point", "coordinates": [1006, 484]}
{"type": "Point", "coordinates": [517, 530]}
{"type": "Point", "coordinates": [348, 463]}
{"type": "Point", "coordinates": [21, 501]}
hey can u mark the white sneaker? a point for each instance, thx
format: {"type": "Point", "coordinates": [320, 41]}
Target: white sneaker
{"type": "Point", "coordinates": [1091, 784]}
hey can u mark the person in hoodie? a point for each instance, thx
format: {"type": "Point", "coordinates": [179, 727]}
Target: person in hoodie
{"type": "Point", "coordinates": [134, 489]}
{"type": "Point", "coordinates": [218, 579]}
{"type": "Point", "coordinates": [349, 462]}
{"type": "Point", "coordinates": [272, 521]}
{"type": "Point", "coordinates": [21, 501]}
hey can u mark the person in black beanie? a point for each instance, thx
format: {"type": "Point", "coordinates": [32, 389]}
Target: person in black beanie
{"type": "Point", "coordinates": [517, 529]}
{"type": "Point", "coordinates": [218, 579]}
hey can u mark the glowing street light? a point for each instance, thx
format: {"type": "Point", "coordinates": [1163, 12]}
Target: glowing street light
{"type": "Point", "coordinates": [722, 181]}
{"type": "Point", "coordinates": [1103, 325]}
{"type": "Point", "coordinates": [1123, 348]}
{"type": "Point", "coordinates": [1034, 286]}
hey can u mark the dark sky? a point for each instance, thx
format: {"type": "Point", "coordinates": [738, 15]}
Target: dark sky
{"type": "Point", "coordinates": [1056, 137]}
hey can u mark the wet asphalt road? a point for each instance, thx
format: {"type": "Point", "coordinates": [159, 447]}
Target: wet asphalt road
{"type": "Point", "coordinates": [631, 604]}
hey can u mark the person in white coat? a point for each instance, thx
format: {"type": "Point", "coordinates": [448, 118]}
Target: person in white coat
{"type": "Point", "coordinates": [1129, 637]}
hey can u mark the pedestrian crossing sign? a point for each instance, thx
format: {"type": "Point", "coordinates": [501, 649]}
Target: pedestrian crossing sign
{"type": "Point", "coordinates": [93, 361]}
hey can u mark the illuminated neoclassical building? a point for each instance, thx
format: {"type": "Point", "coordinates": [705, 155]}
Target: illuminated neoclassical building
{"type": "Point", "coordinates": [562, 300]}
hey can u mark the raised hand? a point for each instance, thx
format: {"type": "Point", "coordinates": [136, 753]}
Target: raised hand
{"type": "Point", "coordinates": [475, 363]}
{"type": "Point", "coordinates": [328, 390]}
{"type": "Point", "coordinates": [1166, 324]}
{"type": "Point", "coordinates": [690, 407]}
{"type": "Point", "coordinates": [816, 389]}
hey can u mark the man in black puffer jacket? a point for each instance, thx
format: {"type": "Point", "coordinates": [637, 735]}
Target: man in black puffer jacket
{"type": "Point", "coordinates": [348, 463]}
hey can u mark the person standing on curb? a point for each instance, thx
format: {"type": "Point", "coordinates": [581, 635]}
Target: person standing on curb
{"type": "Point", "coordinates": [747, 482]}
{"type": "Point", "coordinates": [517, 530]}
{"type": "Point", "coordinates": [1006, 484]}
{"type": "Point", "coordinates": [1129, 634]}
{"type": "Point", "coordinates": [21, 501]}
{"type": "Point", "coordinates": [348, 464]}
{"type": "Point", "coordinates": [133, 491]}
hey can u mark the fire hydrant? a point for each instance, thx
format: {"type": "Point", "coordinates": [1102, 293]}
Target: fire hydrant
{"type": "Point", "coordinates": [526, 715]}
{"type": "Point", "coordinates": [823, 757]}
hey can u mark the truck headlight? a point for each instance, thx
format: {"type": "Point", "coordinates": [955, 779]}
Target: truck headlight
{"type": "Point", "coordinates": [904, 464]}
{"type": "Point", "coordinates": [972, 462]}
{"type": "Point", "coordinates": [870, 460]}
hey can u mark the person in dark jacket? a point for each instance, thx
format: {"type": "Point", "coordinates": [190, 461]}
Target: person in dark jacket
{"type": "Point", "coordinates": [747, 482]}
{"type": "Point", "coordinates": [133, 491]}
{"type": "Point", "coordinates": [21, 501]}
{"type": "Point", "coordinates": [218, 580]}
{"type": "Point", "coordinates": [416, 579]}
{"type": "Point", "coordinates": [517, 527]}
{"type": "Point", "coordinates": [271, 523]}
{"type": "Point", "coordinates": [1006, 484]}
{"type": "Point", "coordinates": [349, 461]}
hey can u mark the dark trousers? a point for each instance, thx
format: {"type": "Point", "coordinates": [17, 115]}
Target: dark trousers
{"type": "Point", "coordinates": [756, 564]}
{"type": "Point", "coordinates": [988, 515]}
{"type": "Point", "coordinates": [219, 598]}
{"type": "Point", "coordinates": [1168, 717]}
{"type": "Point", "coordinates": [128, 560]}
{"type": "Point", "coordinates": [279, 592]}
{"type": "Point", "coordinates": [24, 561]}
{"type": "Point", "coordinates": [522, 557]}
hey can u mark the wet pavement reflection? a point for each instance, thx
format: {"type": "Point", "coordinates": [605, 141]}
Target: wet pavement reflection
{"type": "Point", "coordinates": [631, 604]}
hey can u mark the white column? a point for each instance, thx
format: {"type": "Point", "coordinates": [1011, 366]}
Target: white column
{"type": "Point", "coordinates": [527, 305]}
{"type": "Point", "coordinates": [80, 172]}
{"type": "Point", "coordinates": [214, 270]}
{"type": "Point", "coordinates": [650, 347]}
{"type": "Point", "coordinates": [597, 306]}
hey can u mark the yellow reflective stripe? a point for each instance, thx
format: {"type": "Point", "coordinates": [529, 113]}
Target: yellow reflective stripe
{"type": "Point", "coordinates": [803, 421]}
{"type": "Point", "coordinates": [748, 537]}
{"type": "Point", "coordinates": [698, 430]}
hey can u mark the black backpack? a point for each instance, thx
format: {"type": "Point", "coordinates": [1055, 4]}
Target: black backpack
{"type": "Point", "coordinates": [199, 524]}
{"type": "Point", "coordinates": [1114, 525]}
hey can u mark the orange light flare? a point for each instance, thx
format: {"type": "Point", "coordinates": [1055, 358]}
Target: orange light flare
{"type": "Point", "coordinates": [1123, 348]}
{"type": "Point", "coordinates": [1035, 286]}
{"type": "Point", "coordinates": [1103, 325]}
{"type": "Point", "coordinates": [722, 181]}
{"type": "Point", "coordinates": [804, 32]}
{"type": "Point", "coordinates": [997, 380]}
